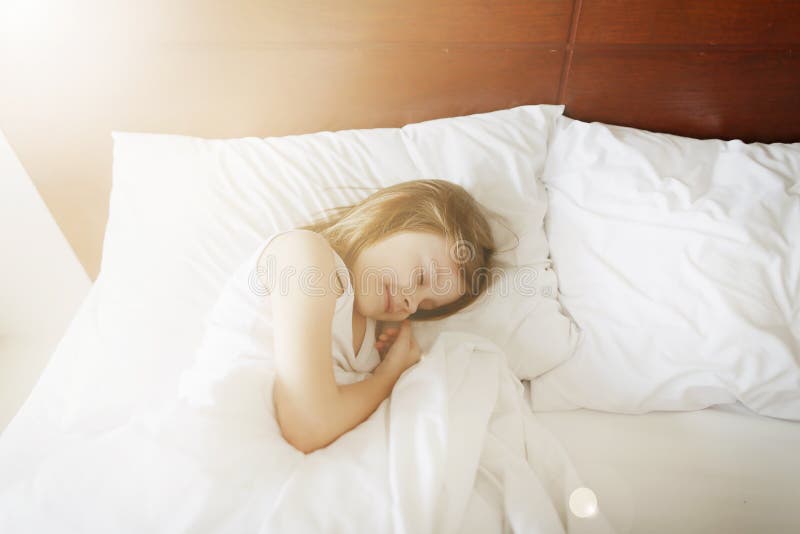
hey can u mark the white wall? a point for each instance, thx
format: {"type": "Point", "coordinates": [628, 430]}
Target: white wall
{"type": "Point", "coordinates": [41, 284]}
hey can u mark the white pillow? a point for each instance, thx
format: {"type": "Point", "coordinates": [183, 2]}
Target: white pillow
{"type": "Point", "coordinates": [520, 313]}
{"type": "Point", "coordinates": [679, 259]}
{"type": "Point", "coordinates": [184, 212]}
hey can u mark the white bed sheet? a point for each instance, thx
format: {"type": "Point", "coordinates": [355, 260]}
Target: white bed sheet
{"type": "Point", "coordinates": [721, 469]}
{"type": "Point", "coordinates": [481, 461]}
{"type": "Point", "coordinates": [716, 470]}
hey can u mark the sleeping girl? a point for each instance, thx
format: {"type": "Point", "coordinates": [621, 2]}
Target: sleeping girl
{"type": "Point", "coordinates": [328, 306]}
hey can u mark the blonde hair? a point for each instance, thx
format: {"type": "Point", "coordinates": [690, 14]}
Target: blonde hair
{"type": "Point", "coordinates": [435, 206]}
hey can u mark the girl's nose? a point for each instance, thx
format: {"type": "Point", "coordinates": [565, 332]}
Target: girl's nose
{"type": "Point", "coordinates": [411, 304]}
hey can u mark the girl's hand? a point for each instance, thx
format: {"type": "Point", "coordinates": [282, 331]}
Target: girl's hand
{"type": "Point", "coordinates": [404, 350]}
{"type": "Point", "coordinates": [386, 339]}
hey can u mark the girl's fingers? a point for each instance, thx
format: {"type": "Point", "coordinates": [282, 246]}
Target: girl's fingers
{"type": "Point", "coordinates": [388, 336]}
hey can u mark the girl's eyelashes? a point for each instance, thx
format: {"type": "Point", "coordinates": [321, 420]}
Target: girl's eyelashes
{"type": "Point", "coordinates": [421, 277]}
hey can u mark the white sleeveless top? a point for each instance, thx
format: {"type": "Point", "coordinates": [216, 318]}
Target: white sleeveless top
{"type": "Point", "coordinates": [239, 332]}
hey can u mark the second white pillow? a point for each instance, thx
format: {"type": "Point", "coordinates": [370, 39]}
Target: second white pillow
{"type": "Point", "coordinates": [679, 259]}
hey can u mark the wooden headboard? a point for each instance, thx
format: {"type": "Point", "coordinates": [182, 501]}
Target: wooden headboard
{"type": "Point", "coordinates": [75, 70]}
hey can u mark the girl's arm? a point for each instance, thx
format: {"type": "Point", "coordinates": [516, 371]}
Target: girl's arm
{"type": "Point", "coordinates": [358, 401]}
{"type": "Point", "coordinates": [311, 409]}
{"type": "Point", "coordinates": [308, 431]}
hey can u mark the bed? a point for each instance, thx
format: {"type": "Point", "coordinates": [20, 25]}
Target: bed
{"type": "Point", "coordinates": [692, 472]}
{"type": "Point", "coordinates": [699, 456]}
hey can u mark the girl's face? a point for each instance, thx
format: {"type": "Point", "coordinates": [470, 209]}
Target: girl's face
{"type": "Point", "coordinates": [404, 272]}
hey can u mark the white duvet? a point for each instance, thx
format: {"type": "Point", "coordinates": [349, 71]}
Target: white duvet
{"type": "Point", "coordinates": [453, 449]}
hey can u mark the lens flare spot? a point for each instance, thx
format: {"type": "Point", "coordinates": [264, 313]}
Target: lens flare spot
{"type": "Point", "coordinates": [583, 502]}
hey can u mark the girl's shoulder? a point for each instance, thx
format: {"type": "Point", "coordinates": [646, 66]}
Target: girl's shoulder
{"type": "Point", "coordinates": [303, 253]}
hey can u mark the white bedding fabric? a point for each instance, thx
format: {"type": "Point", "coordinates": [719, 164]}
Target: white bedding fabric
{"type": "Point", "coordinates": [101, 447]}
{"type": "Point", "coordinates": [454, 449]}
{"type": "Point", "coordinates": [679, 260]}
{"type": "Point", "coordinates": [716, 470]}
{"type": "Point", "coordinates": [721, 469]}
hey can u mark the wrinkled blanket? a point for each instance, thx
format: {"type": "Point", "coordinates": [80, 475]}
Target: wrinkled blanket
{"type": "Point", "coordinates": [455, 448]}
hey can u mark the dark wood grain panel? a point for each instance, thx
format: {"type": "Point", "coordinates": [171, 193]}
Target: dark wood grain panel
{"type": "Point", "coordinates": [750, 95]}
{"type": "Point", "coordinates": [708, 68]}
{"type": "Point", "coordinates": [687, 22]}
{"type": "Point", "coordinates": [333, 89]}
{"type": "Point", "coordinates": [308, 22]}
